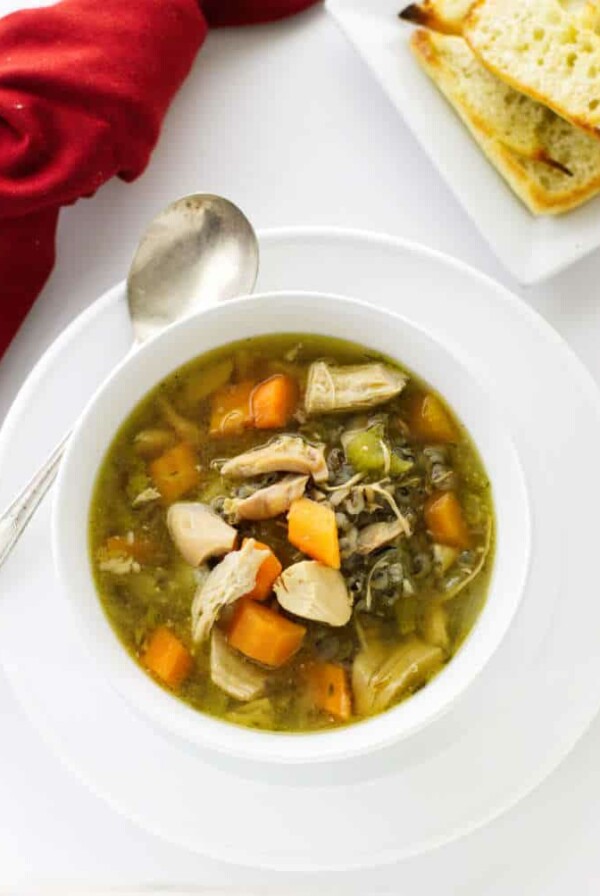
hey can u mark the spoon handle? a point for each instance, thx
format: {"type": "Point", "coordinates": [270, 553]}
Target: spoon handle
{"type": "Point", "coordinates": [14, 519]}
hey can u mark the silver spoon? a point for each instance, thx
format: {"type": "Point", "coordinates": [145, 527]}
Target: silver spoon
{"type": "Point", "coordinates": [200, 250]}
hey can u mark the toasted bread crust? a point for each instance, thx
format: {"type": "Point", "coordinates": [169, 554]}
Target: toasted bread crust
{"type": "Point", "coordinates": [425, 15]}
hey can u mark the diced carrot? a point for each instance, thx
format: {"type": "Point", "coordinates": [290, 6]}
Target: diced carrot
{"type": "Point", "coordinates": [445, 520]}
{"type": "Point", "coordinates": [274, 402]}
{"type": "Point", "coordinates": [268, 572]}
{"type": "Point", "coordinates": [428, 419]}
{"type": "Point", "coordinates": [313, 530]}
{"type": "Point", "coordinates": [330, 690]}
{"type": "Point", "coordinates": [263, 635]}
{"type": "Point", "coordinates": [231, 410]}
{"type": "Point", "coordinates": [175, 472]}
{"type": "Point", "coordinates": [144, 550]}
{"type": "Point", "coordinates": [167, 657]}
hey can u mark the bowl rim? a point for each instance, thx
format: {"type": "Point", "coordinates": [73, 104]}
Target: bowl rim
{"type": "Point", "coordinates": [177, 718]}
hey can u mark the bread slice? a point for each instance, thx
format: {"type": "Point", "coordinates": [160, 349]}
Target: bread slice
{"type": "Point", "coordinates": [511, 117]}
{"type": "Point", "coordinates": [590, 15]}
{"type": "Point", "coordinates": [550, 165]}
{"type": "Point", "coordinates": [540, 49]}
{"type": "Point", "coordinates": [448, 16]}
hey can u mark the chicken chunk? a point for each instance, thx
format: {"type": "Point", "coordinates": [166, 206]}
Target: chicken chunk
{"type": "Point", "coordinates": [314, 591]}
{"type": "Point", "coordinates": [146, 496]}
{"type": "Point", "coordinates": [119, 566]}
{"type": "Point", "coordinates": [198, 532]}
{"type": "Point", "coordinates": [377, 535]}
{"type": "Point", "coordinates": [234, 576]}
{"type": "Point", "coordinates": [232, 673]}
{"type": "Point", "coordinates": [350, 388]}
{"type": "Point", "coordinates": [285, 454]}
{"type": "Point", "coordinates": [268, 502]}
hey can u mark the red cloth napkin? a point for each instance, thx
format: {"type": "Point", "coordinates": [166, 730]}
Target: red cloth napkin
{"type": "Point", "coordinates": [84, 86]}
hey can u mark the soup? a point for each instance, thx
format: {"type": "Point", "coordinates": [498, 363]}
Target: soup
{"type": "Point", "coordinates": [292, 533]}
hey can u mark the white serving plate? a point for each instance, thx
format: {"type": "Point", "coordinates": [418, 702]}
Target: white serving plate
{"type": "Point", "coordinates": [511, 728]}
{"type": "Point", "coordinates": [532, 248]}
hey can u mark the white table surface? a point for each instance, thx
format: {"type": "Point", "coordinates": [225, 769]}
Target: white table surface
{"type": "Point", "coordinates": [285, 120]}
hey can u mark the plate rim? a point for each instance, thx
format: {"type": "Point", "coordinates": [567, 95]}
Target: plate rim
{"type": "Point", "coordinates": [275, 234]}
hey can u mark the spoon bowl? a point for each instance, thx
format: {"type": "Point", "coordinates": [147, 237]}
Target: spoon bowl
{"type": "Point", "coordinates": [200, 249]}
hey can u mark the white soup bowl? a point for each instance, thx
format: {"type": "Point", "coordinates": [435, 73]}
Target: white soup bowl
{"type": "Point", "coordinates": [336, 316]}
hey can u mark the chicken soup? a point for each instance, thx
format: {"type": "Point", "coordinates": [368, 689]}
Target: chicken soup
{"type": "Point", "coordinates": [292, 533]}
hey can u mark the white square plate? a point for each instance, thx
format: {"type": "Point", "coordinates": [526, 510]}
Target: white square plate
{"type": "Point", "coordinates": [531, 248]}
